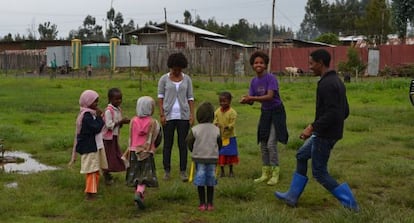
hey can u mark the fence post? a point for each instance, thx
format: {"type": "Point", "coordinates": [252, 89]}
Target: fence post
{"type": "Point", "coordinates": [6, 65]}
{"type": "Point", "coordinates": [140, 81]}
{"type": "Point", "coordinates": [211, 65]}
{"type": "Point", "coordinates": [130, 66]}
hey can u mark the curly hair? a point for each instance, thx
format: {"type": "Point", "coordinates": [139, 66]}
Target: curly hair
{"type": "Point", "coordinates": [226, 95]}
{"type": "Point", "coordinates": [177, 60]}
{"type": "Point", "coordinates": [260, 54]}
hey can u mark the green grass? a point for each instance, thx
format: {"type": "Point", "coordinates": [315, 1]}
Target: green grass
{"type": "Point", "coordinates": [376, 156]}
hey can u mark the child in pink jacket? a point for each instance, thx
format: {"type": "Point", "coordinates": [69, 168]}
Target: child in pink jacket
{"type": "Point", "coordinates": [144, 137]}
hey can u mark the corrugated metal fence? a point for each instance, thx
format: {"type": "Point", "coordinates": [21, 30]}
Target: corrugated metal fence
{"type": "Point", "coordinates": [299, 57]}
{"type": "Point", "coordinates": [224, 61]}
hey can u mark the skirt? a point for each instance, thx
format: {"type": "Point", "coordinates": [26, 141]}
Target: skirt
{"type": "Point", "coordinates": [141, 172]}
{"type": "Point", "coordinates": [114, 155]}
{"type": "Point", "coordinates": [92, 162]}
{"type": "Point", "coordinates": [229, 147]}
{"type": "Point", "coordinates": [227, 160]}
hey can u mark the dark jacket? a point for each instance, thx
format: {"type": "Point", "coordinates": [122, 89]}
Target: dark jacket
{"type": "Point", "coordinates": [277, 116]}
{"type": "Point", "coordinates": [331, 107]}
{"type": "Point", "coordinates": [86, 138]}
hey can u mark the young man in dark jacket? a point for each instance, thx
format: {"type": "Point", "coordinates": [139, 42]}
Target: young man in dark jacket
{"type": "Point", "coordinates": [321, 135]}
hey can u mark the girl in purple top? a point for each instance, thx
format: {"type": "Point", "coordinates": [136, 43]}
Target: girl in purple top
{"type": "Point", "coordinates": [264, 88]}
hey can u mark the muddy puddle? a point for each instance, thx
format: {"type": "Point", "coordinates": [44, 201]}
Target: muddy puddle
{"type": "Point", "coordinates": [22, 163]}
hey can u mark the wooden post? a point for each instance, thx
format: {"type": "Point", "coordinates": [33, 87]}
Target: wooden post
{"type": "Point", "coordinates": [271, 38]}
{"type": "Point", "coordinates": [166, 28]}
{"type": "Point", "coordinates": [130, 65]}
{"type": "Point", "coordinates": [211, 65]}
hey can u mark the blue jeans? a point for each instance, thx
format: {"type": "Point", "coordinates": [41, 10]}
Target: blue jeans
{"type": "Point", "coordinates": [318, 149]}
{"type": "Point", "coordinates": [182, 127]}
{"type": "Point", "coordinates": [205, 175]}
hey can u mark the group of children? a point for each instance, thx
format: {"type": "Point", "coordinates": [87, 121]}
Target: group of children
{"type": "Point", "coordinates": [212, 141]}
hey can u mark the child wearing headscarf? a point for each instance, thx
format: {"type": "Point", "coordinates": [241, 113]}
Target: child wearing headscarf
{"type": "Point", "coordinates": [204, 141]}
{"type": "Point", "coordinates": [144, 137]}
{"type": "Point", "coordinates": [89, 141]}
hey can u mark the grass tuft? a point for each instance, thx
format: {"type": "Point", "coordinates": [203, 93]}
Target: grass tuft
{"type": "Point", "coordinates": [11, 133]}
{"type": "Point", "coordinates": [237, 189]}
{"type": "Point", "coordinates": [177, 192]}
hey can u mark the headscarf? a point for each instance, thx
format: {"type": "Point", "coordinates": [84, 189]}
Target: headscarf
{"type": "Point", "coordinates": [86, 99]}
{"type": "Point", "coordinates": [145, 106]}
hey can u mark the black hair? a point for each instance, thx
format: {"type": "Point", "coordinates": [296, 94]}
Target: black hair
{"type": "Point", "coordinates": [205, 113]}
{"type": "Point", "coordinates": [321, 55]}
{"type": "Point", "coordinates": [177, 60]}
{"type": "Point", "coordinates": [260, 54]}
{"type": "Point", "coordinates": [226, 94]}
{"type": "Point", "coordinates": [113, 91]}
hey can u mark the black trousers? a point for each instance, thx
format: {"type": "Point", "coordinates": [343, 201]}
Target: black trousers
{"type": "Point", "coordinates": [182, 127]}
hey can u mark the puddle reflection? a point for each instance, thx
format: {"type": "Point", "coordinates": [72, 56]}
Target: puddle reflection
{"type": "Point", "coordinates": [29, 165]}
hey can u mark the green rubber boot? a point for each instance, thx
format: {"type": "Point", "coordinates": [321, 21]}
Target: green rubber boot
{"type": "Point", "coordinates": [275, 176]}
{"type": "Point", "coordinates": [265, 175]}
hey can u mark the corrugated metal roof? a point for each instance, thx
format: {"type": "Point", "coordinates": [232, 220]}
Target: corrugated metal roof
{"type": "Point", "coordinates": [96, 44]}
{"type": "Point", "coordinates": [351, 38]}
{"type": "Point", "coordinates": [227, 41]}
{"type": "Point", "coordinates": [152, 27]}
{"type": "Point", "coordinates": [314, 43]}
{"type": "Point", "coordinates": [192, 29]}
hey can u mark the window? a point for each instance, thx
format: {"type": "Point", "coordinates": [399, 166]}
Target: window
{"type": "Point", "coordinates": [180, 44]}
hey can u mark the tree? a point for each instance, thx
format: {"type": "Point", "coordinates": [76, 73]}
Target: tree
{"type": "Point", "coordinates": [243, 31]}
{"type": "Point", "coordinates": [338, 17]}
{"type": "Point", "coordinates": [213, 26]}
{"type": "Point", "coordinates": [343, 15]}
{"type": "Point", "coordinates": [353, 64]}
{"type": "Point", "coordinates": [31, 31]}
{"type": "Point", "coordinates": [18, 37]}
{"type": "Point", "coordinates": [47, 31]}
{"type": "Point", "coordinates": [187, 17]}
{"type": "Point", "coordinates": [88, 31]}
{"type": "Point", "coordinates": [8, 38]}
{"type": "Point", "coordinates": [199, 23]}
{"type": "Point", "coordinates": [118, 25]}
{"type": "Point", "coordinates": [240, 31]}
{"type": "Point", "coordinates": [402, 13]}
{"type": "Point", "coordinates": [127, 28]}
{"type": "Point", "coordinates": [130, 26]}
{"type": "Point", "coordinates": [329, 38]}
{"type": "Point", "coordinates": [374, 24]}
{"type": "Point", "coordinates": [309, 27]}
{"type": "Point", "coordinates": [110, 16]}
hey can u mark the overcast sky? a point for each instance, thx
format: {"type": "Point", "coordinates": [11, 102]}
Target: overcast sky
{"type": "Point", "coordinates": [18, 16]}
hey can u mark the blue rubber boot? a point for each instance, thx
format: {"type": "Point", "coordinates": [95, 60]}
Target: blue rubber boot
{"type": "Point", "coordinates": [344, 194]}
{"type": "Point", "coordinates": [296, 187]}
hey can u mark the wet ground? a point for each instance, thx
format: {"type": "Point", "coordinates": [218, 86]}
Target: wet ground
{"type": "Point", "coordinates": [25, 165]}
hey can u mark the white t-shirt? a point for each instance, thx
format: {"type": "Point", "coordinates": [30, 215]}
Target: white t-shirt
{"type": "Point", "coordinates": [176, 110]}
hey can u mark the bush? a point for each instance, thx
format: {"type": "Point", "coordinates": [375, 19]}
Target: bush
{"type": "Point", "coordinates": [354, 63]}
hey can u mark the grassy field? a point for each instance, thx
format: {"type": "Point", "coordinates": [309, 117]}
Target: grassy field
{"type": "Point", "coordinates": [376, 156]}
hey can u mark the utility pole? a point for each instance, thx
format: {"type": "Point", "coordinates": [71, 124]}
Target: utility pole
{"type": "Point", "coordinates": [106, 19]}
{"type": "Point", "coordinates": [166, 28]}
{"type": "Point", "coordinates": [271, 38]}
{"type": "Point", "coordinates": [382, 25]}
